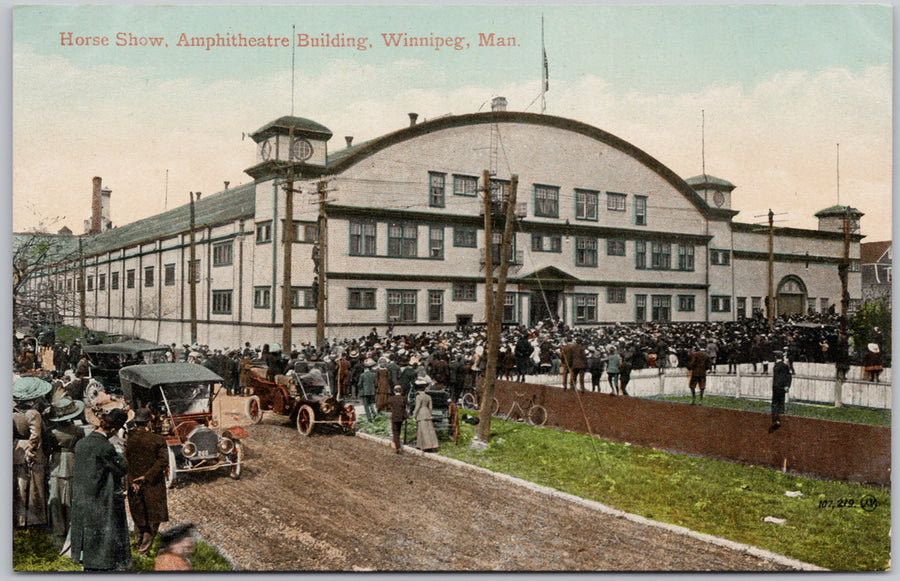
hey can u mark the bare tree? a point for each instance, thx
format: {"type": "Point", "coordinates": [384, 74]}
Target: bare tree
{"type": "Point", "coordinates": [42, 266]}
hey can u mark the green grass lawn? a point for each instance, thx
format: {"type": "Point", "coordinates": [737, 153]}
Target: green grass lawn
{"type": "Point", "coordinates": [35, 550]}
{"type": "Point", "coordinates": [708, 496]}
{"type": "Point", "coordinates": [850, 414]}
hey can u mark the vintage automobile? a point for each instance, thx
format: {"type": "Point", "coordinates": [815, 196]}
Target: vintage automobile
{"type": "Point", "coordinates": [180, 399]}
{"type": "Point", "coordinates": [307, 405]}
{"type": "Point", "coordinates": [106, 359]}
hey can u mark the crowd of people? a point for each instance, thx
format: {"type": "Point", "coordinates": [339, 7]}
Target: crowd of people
{"type": "Point", "coordinates": [74, 465]}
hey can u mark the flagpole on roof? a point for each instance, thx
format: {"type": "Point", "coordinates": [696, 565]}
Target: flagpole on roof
{"type": "Point", "coordinates": [545, 74]}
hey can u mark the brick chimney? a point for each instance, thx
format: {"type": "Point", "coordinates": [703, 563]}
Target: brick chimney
{"type": "Point", "coordinates": [498, 104]}
{"type": "Point", "coordinates": [412, 118]}
{"type": "Point", "coordinates": [96, 206]}
{"type": "Point", "coordinates": [349, 139]}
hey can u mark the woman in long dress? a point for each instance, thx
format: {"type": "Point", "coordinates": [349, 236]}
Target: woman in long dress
{"type": "Point", "coordinates": [426, 438]}
{"type": "Point", "coordinates": [29, 459]}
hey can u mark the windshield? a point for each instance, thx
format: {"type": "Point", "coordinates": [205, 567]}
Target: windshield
{"type": "Point", "coordinates": [189, 398]}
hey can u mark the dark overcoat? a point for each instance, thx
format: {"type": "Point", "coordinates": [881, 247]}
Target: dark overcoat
{"type": "Point", "coordinates": [147, 455]}
{"type": "Point", "coordinates": [99, 532]}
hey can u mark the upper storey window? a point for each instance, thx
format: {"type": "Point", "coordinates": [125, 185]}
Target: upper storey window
{"type": "Point", "coordinates": [546, 201]}
{"type": "Point", "coordinates": [465, 186]}
{"type": "Point", "coordinates": [436, 184]}
{"type": "Point", "coordinates": [615, 202]}
{"type": "Point", "coordinates": [586, 205]}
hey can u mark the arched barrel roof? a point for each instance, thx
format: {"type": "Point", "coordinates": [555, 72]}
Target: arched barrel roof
{"type": "Point", "coordinates": [344, 159]}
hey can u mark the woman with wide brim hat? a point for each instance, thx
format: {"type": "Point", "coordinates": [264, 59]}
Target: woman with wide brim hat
{"type": "Point", "coordinates": [29, 460]}
{"type": "Point", "coordinates": [62, 461]}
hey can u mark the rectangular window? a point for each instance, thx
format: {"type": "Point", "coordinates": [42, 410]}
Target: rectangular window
{"type": "Point", "coordinates": [464, 291]}
{"type": "Point", "coordinates": [114, 280]}
{"type": "Point", "coordinates": [101, 282]}
{"type": "Point", "coordinates": [509, 308]}
{"type": "Point", "coordinates": [435, 306]}
{"type": "Point", "coordinates": [640, 210]}
{"type": "Point", "coordinates": [169, 274]}
{"type": "Point", "coordinates": [264, 232]}
{"type": "Point", "coordinates": [303, 297]}
{"type": "Point", "coordinates": [615, 202]}
{"type": "Point", "coordinates": [661, 306]}
{"type": "Point", "coordinates": [401, 306]}
{"type": "Point", "coordinates": [741, 307]}
{"type": "Point", "coordinates": [304, 232]}
{"type": "Point", "coordinates": [546, 201]}
{"type": "Point", "coordinates": [546, 243]}
{"type": "Point", "coordinates": [720, 304]}
{"type": "Point", "coordinates": [194, 271]}
{"type": "Point", "coordinates": [361, 298]}
{"type": "Point", "coordinates": [465, 186]}
{"type": "Point", "coordinates": [640, 308]}
{"type": "Point", "coordinates": [436, 189]}
{"type": "Point", "coordinates": [90, 282]}
{"type": "Point", "coordinates": [685, 257]}
{"type": "Point", "coordinates": [718, 257]}
{"type": "Point", "coordinates": [221, 302]}
{"type": "Point", "coordinates": [586, 205]}
{"type": "Point", "coordinates": [129, 278]}
{"type": "Point", "coordinates": [436, 242]}
{"type": "Point", "coordinates": [465, 237]}
{"type": "Point", "coordinates": [499, 190]}
{"type": "Point", "coordinates": [756, 305]}
{"type": "Point", "coordinates": [262, 297]}
{"type": "Point", "coordinates": [222, 254]}
{"type": "Point", "coordinates": [362, 238]}
{"type": "Point", "coordinates": [615, 294]}
{"type": "Point", "coordinates": [148, 276]}
{"type": "Point", "coordinates": [615, 247]}
{"type": "Point", "coordinates": [823, 302]}
{"type": "Point", "coordinates": [402, 240]}
{"type": "Point", "coordinates": [660, 255]}
{"type": "Point", "coordinates": [640, 254]}
{"type": "Point", "coordinates": [686, 303]}
{"type": "Point", "coordinates": [585, 251]}
{"type": "Point", "coordinates": [585, 308]}
{"type": "Point", "coordinates": [69, 284]}
{"type": "Point", "coordinates": [496, 247]}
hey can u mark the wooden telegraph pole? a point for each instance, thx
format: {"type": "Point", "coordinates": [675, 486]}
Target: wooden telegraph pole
{"type": "Point", "coordinates": [321, 264]}
{"type": "Point", "coordinates": [770, 298]}
{"type": "Point", "coordinates": [843, 271]}
{"type": "Point", "coordinates": [82, 314]}
{"type": "Point", "coordinates": [192, 276]}
{"type": "Point", "coordinates": [286, 288]}
{"type": "Point", "coordinates": [494, 301]}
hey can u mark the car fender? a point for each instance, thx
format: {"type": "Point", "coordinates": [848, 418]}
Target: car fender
{"type": "Point", "coordinates": [236, 432]}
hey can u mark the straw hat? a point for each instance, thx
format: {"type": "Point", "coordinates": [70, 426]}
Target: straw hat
{"type": "Point", "coordinates": [369, 362]}
{"type": "Point", "coordinates": [65, 409]}
{"type": "Point", "coordinates": [873, 347]}
{"type": "Point", "coordinates": [30, 387]}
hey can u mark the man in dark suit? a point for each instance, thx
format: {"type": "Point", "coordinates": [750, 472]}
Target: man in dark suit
{"type": "Point", "coordinates": [147, 456]}
{"type": "Point", "coordinates": [698, 363]}
{"type": "Point", "coordinates": [781, 382]}
{"type": "Point", "coordinates": [579, 363]}
{"type": "Point", "coordinates": [397, 407]}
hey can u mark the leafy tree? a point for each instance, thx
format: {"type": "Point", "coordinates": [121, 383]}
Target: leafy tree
{"type": "Point", "coordinates": [872, 314]}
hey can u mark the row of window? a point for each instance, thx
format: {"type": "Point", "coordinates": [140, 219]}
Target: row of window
{"type": "Point", "coordinates": [301, 297]}
{"type": "Point", "coordinates": [546, 198]}
{"type": "Point", "coordinates": [304, 232]}
{"type": "Point", "coordinates": [131, 276]}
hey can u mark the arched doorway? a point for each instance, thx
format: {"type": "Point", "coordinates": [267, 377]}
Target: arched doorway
{"type": "Point", "coordinates": [791, 296]}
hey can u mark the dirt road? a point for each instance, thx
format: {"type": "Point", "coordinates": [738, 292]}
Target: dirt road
{"type": "Point", "coordinates": [339, 503]}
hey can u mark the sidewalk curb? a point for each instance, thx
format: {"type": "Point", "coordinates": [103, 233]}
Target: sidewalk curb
{"type": "Point", "coordinates": [606, 509]}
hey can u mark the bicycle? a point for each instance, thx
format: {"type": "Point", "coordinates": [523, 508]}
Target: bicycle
{"type": "Point", "coordinates": [535, 414]}
{"type": "Point", "coordinates": [471, 401]}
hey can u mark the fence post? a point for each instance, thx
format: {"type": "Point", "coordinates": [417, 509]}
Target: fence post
{"type": "Point", "coordinates": [738, 382]}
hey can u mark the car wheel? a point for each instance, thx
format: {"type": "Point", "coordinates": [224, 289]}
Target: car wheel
{"type": "Point", "coordinates": [237, 457]}
{"type": "Point", "coordinates": [253, 409]}
{"type": "Point", "coordinates": [171, 469]}
{"type": "Point", "coordinates": [469, 402]}
{"type": "Point", "coordinates": [306, 419]}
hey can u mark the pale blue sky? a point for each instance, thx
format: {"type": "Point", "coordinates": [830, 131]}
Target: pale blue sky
{"type": "Point", "coordinates": [780, 85]}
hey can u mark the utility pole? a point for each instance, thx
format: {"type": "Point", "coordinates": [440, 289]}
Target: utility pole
{"type": "Point", "coordinates": [192, 276]}
{"type": "Point", "coordinates": [488, 252]}
{"type": "Point", "coordinates": [81, 298]}
{"type": "Point", "coordinates": [286, 289]}
{"type": "Point", "coordinates": [494, 323]}
{"type": "Point", "coordinates": [770, 298]}
{"type": "Point", "coordinates": [321, 265]}
{"type": "Point", "coordinates": [843, 272]}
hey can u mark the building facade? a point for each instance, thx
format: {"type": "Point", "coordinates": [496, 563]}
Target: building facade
{"type": "Point", "coordinates": [603, 233]}
{"type": "Point", "coordinates": [876, 263]}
